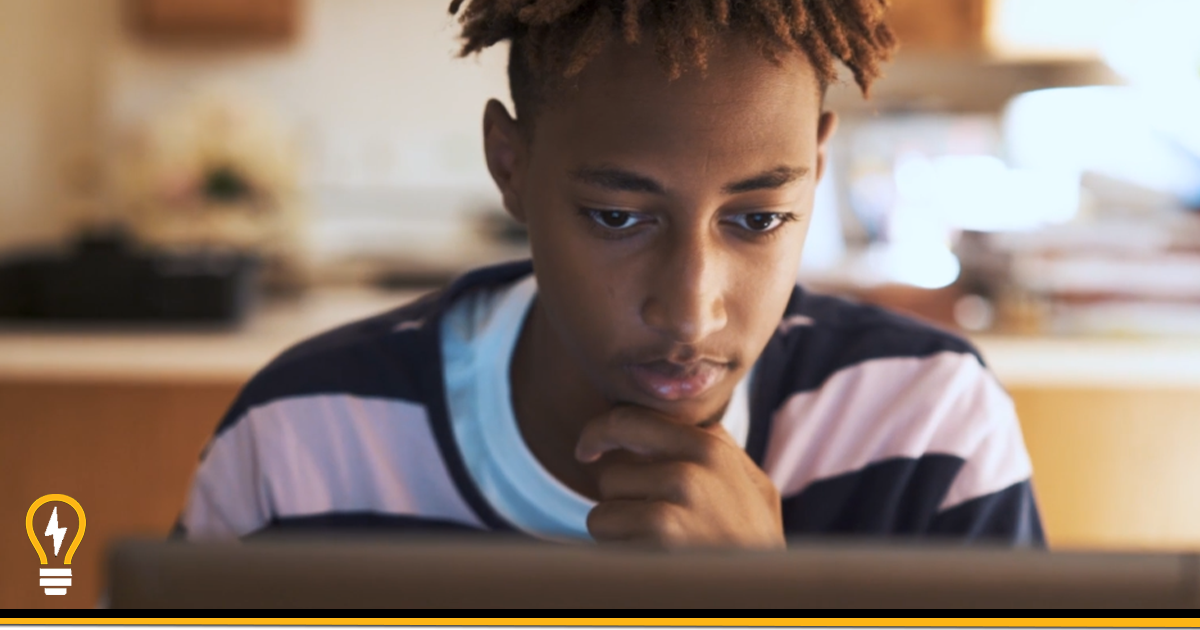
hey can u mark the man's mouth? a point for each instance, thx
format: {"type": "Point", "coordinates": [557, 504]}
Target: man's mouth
{"type": "Point", "coordinates": [670, 381]}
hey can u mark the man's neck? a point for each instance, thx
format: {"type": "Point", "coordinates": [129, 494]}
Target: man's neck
{"type": "Point", "coordinates": [552, 400]}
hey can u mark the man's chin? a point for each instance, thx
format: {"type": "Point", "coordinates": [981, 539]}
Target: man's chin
{"type": "Point", "coordinates": [700, 411]}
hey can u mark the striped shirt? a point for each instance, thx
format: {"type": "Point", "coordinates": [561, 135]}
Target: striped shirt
{"type": "Point", "coordinates": [868, 423]}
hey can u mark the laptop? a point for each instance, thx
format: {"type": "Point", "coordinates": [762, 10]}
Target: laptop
{"type": "Point", "coordinates": [381, 573]}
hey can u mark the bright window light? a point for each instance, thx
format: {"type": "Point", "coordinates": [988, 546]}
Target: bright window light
{"type": "Point", "coordinates": [981, 193]}
{"type": "Point", "coordinates": [1126, 133]}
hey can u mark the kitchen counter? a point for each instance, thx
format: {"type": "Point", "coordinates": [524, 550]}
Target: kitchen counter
{"type": "Point", "coordinates": [1058, 362]}
{"type": "Point", "coordinates": [71, 353]}
{"type": "Point", "coordinates": [227, 356]}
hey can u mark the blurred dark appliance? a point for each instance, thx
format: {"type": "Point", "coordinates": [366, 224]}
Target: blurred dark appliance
{"type": "Point", "coordinates": [104, 278]}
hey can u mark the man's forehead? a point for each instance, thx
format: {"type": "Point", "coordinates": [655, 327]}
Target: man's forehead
{"type": "Point", "coordinates": [733, 111]}
{"type": "Point", "coordinates": [737, 72]}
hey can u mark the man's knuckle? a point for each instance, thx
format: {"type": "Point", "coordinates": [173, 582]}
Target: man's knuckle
{"type": "Point", "coordinates": [668, 526]}
{"type": "Point", "coordinates": [659, 515]}
{"type": "Point", "coordinates": [682, 479]}
{"type": "Point", "coordinates": [600, 520]}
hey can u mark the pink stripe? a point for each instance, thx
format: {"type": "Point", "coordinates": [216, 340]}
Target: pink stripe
{"type": "Point", "coordinates": [318, 454]}
{"type": "Point", "coordinates": [902, 407]}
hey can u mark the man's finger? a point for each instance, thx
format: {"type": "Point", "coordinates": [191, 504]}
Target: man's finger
{"type": "Point", "coordinates": [634, 521]}
{"type": "Point", "coordinates": [670, 481]}
{"type": "Point", "coordinates": [642, 432]}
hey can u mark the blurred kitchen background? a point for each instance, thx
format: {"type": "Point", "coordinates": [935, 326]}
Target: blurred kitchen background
{"type": "Point", "coordinates": [189, 186]}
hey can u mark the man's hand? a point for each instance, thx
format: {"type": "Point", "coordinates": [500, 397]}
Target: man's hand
{"type": "Point", "coordinates": [677, 485]}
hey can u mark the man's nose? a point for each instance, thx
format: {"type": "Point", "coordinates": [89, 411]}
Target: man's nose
{"type": "Point", "coordinates": [686, 298]}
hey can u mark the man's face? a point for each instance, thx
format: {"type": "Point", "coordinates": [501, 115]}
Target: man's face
{"type": "Point", "coordinates": [667, 218]}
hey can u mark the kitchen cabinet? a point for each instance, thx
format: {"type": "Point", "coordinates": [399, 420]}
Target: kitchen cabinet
{"type": "Point", "coordinates": [940, 25]}
{"type": "Point", "coordinates": [213, 21]}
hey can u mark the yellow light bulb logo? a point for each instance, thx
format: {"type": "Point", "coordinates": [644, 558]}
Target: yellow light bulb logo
{"type": "Point", "coordinates": [55, 581]}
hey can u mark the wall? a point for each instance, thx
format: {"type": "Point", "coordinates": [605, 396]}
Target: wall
{"type": "Point", "coordinates": [377, 98]}
{"type": "Point", "coordinates": [373, 87]}
{"type": "Point", "coordinates": [51, 69]}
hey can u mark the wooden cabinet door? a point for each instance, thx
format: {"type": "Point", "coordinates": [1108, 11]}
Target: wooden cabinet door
{"type": "Point", "coordinates": [940, 25]}
{"type": "Point", "coordinates": [218, 21]}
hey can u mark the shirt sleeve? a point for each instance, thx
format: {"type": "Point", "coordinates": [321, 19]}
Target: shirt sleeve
{"type": "Point", "coordinates": [991, 497]}
{"type": "Point", "coordinates": [1009, 516]}
{"type": "Point", "coordinates": [905, 446]}
{"type": "Point", "coordinates": [227, 498]}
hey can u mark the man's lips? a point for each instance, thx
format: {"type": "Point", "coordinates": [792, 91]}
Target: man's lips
{"type": "Point", "coordinates": [674, 381]}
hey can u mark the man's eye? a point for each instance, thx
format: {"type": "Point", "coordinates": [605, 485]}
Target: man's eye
{"type": "Point", "coordinates": [759, 221]}
{"type": "Point", "coordinates": [615, 219]}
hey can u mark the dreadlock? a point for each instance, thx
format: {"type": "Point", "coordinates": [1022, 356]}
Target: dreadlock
{"type": "Point", "coordinates": [557, 38]}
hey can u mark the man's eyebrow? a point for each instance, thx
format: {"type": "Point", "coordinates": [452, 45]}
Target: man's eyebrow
{"type": "Point", "coordinates": [618, 179]}
{"type": "Point", "coordinates": [774, 178]}
{"type": "Point", "coordinates": [622, 180]}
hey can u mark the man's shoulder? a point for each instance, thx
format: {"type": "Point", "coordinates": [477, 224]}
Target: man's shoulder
{"type": "Point", "coordinates": [822, 335]}
{"type": "Point", "coordinates": [372, 357]}
{"type": "Point", "coordinates": [387, 356]}
{"type": "Point", "coordinates": [880, 423]}
{"type": "Point", "coordinates": [851, 386]}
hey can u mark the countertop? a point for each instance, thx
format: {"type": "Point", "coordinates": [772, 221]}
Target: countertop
{"type": "Point", "coordinates": [233, 355]}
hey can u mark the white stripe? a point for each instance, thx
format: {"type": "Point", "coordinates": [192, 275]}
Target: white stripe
{"type": "Point", "coordinates": [55, 573]}
{"type": "Point", "coordinates": [56, 591]}
{"type": "Point", "coordinates": [319, 454]}
{"type": "Point", "coordinates": [55, 582]}
{"type": "Point", "coordinates": [901, 407]}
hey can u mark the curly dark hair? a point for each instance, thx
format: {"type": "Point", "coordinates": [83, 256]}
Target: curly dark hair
{"type": "Point", "coordinates": [557, 38]}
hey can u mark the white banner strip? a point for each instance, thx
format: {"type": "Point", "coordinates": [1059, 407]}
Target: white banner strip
{"type": "Point", "coordinates": [56, 573]}
{"type": "Point", "coordinates": [56, 591]}
{"type": "Point", "coordinates": [55, 582]}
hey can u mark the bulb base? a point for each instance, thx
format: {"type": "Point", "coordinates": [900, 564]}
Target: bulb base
{"type": "Point", "coordinates": [55, 581]}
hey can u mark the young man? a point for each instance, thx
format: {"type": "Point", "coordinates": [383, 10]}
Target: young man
{"type": "Point", "coordinates": [654, 374]}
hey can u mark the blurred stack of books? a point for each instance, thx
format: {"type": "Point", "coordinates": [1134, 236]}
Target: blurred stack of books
{"type": "Point", "coordinates": [1111, 277]}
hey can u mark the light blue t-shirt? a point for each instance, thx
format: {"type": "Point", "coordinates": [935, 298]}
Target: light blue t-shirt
{"type": "Point", "coordinates": [478, 337]}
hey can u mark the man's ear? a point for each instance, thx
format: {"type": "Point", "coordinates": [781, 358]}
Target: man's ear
{"type": "Point", "coordinates": [505, 150]}
{"type": "Point", "coordinates": [825, 128]}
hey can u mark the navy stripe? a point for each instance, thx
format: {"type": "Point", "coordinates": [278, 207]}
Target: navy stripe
{"type": "Point", "coordinates": [364, 359]}
{"type": "Point", "coordinates": [902, 496]}
{"type": "Point", "coordinates": [897, 496]}
{"type": "Point", "coordinates": [770, 374]}
{"type": "Point", "coordinates": [1009, 516]}
{"type": "Point", "coordinates": [368, 358]}
{"type": "Point", "coordinates": [494, 275]}
{"type": "Point", "coordinates": [844, 334]}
